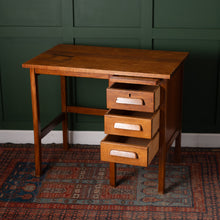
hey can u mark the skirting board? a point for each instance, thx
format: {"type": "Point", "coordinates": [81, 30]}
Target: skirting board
{"type": "Point", "coordinates": [94, 138]}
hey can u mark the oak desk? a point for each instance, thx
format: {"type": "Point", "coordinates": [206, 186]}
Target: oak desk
{"type": "Point", "coordinates": [161, 69]}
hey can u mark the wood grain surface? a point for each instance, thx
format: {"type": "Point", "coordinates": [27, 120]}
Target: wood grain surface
{"type": "Point", "coordinates": [108, 61]}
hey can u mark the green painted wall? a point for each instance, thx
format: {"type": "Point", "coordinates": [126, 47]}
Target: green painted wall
{"type": "Point", "coordinates": [29, 27]}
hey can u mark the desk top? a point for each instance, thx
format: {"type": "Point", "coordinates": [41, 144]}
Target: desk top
{"type": "Point", "coordinates": [108, 61]}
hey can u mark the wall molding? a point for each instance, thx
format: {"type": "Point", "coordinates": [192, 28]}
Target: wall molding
{"type": "Point", "coordinates": [94, 138]}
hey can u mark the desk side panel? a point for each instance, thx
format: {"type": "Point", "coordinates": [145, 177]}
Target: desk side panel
{"type": "Point", "coordinates": [174, 104]}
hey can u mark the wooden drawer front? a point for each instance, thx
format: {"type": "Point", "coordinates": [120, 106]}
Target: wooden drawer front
{"type": "Point", "coordinates": [133, 124]}
{"type": "Point", "coordinates": [133, 97]}
{"type": "Point", "coordinates": [129, 150]}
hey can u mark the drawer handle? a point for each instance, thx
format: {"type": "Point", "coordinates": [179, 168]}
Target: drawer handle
{"type": "Point", "coordinates": [126, 154]}
{"type": "Point", "coordinates": [127, 126]}
{"type": "Point", "coordinates": [129, 101]}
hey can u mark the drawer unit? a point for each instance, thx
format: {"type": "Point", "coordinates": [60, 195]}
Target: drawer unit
{"type": "Point", "coordinates": [129, 150]}
{"type": "Point", "coordinates": [133, 97]}
{"type": "Point", "coordinates": [133, 124]}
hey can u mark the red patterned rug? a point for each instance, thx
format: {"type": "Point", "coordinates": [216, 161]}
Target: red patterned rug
{"type": "Point", "coordinates": [75, 185]}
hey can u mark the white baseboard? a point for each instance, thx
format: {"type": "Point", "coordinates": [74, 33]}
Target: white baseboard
{"type": "Point", "coordinates": [200, 140]}
{"type": "Point", "coordinates": [94, 138]}
{"type": "Point", "coordinates": [75, 137]}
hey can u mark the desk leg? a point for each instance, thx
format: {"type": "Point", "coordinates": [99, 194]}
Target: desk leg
{"type": "Point", "coordinates": [64, 110]}
{"type": "Point", "coordinates": [162, 147]}
{"type": "Point", "coordinates": [177, 152]}
{"type": "Point", "coordinates": [112, 173]}
{"type": "Point", "coordinates": [36, 122]}
{"type": "Point", "coordinates": [112, 166]}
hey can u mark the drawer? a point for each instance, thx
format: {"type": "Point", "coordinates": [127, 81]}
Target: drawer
{"type": "Point", "coordinates": [129, 150]}
{"type": "Point", "coordinates": [133, 97]}
{"type": "Point", "coordinates": [133, 124]}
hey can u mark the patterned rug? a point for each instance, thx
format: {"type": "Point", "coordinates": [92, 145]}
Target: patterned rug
{"type": "Point", "coordinates": [75, 185]}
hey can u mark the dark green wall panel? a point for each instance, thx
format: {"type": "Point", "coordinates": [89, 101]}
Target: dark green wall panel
{"type": "Point", "coordinates": [1, 96]}
{"type": "Point", "coordinates": [90, 92]}
{"type": "Point", "coordinates": [50, 98]}
{"type": "Point", "coordinates": [200, 81]}
{"type": "Point", "coordinates": [30, 13]}
{"type": "Point", "coordinates": [29, 27]}
{"type": "Point", "coordinates": [16, 82]}
{"type": "Point", "coordinates": [109, 42]}
{"type": "Point", "coordinates": [105, 13]}
{"type": "Point", "coordinates": [187, 14]}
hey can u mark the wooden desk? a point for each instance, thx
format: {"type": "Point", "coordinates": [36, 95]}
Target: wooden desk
{"type": "Point", "coordinates": [163, 69]}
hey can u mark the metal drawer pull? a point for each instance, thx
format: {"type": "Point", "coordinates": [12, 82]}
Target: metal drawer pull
{"type": "Point", "coordinates": [129, 101]}
{"type": "Point", "coordinates": [126, 154]}
{"type": "Point", "coordinates": [127, 126]}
